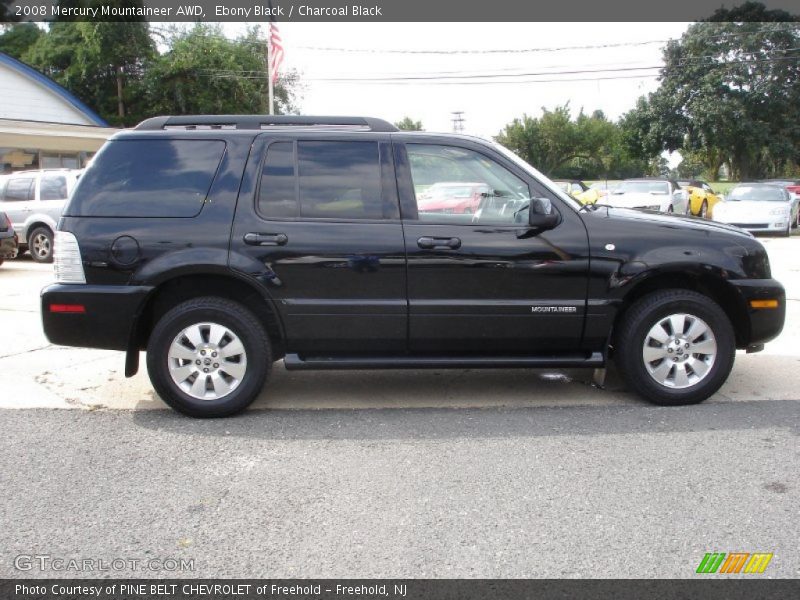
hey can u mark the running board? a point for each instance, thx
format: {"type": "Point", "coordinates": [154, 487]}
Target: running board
{"type": "Point", "coordinates": [294, 362]}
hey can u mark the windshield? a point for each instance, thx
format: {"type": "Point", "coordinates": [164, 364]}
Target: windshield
{"type": "Point", "coordinates": [553, 187]}
{"type": "Point", "coordinates": [642, 187]}
{"type": "Point", "coordinates": [764, 193]}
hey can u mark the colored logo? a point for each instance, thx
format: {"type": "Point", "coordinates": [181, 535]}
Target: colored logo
{"type": "Point", "coordinates": [734, 562]}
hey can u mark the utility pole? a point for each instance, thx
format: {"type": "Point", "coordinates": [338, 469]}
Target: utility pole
{"type": "Point", "coordinates": [458, 121]}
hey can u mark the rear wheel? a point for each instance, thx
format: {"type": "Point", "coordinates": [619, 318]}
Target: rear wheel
{"type": "Point", "coordinates": [208, 357]}
{"type": "Point", "coordinates": [40, 244]}
{"type": "Point", "coordinates": [675, 347]}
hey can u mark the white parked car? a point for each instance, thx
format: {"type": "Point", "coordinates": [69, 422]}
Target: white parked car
{"type": "Point", "coordinates": [758, 207]}
{"type": "Point", "coordinates": [34, 201]}
{"type": "Point", "coordinates": [663, 195]}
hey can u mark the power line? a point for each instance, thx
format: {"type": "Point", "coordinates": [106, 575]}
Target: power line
{"type": "Point", "coordinates": [773, 28]}
{"type": "Point", "coordinates": [493, 77]}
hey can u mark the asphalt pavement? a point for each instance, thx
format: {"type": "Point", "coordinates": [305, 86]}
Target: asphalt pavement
{"type": "Point", "coordinates": [390, 474]}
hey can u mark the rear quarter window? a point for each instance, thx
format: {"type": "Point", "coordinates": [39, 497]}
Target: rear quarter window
{"type": "Point", "coordinates": [148, 178]}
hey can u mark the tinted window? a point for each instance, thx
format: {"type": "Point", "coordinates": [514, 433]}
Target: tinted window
{"type": "Point", "coordinates": [148, 178]}
{"type": "Point", "coordinates": [19, 188]}
{"type": "Point", "coordinates": [441, 174]}
{"type": "Point", "coordinates": [53, 187]}
{"type": "Point", "coordinates": [278, 193]}
{"type": "Point", "coordinates": [339, 180]}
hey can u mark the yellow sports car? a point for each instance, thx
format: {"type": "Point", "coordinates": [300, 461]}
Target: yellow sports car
{"type": "Point", "coordinates": [701, 198]}
{"type": "Point", "coordinates": [579, 190]}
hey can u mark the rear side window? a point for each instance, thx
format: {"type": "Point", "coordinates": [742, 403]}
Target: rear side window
{"type": "Point", "coordinates": [53, 187]}
{"type": "Point", "coordinates": [19, 189]}
{"type": "Point", "coordinates": [148, 178]}
{"type": "Point", "coordinates": [323, 180]}
{"type": "Point", "coordinates": [277, 195]}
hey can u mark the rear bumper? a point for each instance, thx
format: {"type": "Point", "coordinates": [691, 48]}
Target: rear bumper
{"type": "Point", "coordinates": [764, 324]}
{"type": "Point", "coordinates": [106, 320]}
{"type": "Point", "coordinates": [8, 246]}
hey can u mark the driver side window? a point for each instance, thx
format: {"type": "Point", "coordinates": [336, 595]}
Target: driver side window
{"type": "Point", "coordinates": [455, 185]}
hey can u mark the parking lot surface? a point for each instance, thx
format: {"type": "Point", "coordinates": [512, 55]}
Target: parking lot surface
{"type": "Point", "coordinates": [463, 473]}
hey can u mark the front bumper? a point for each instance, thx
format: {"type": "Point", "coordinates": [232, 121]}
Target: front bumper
{"type": "Point", "coordinates": [106, 318]}
{"type": "Point", "coordinates": [762, 324]}
{"type": "Point", "coordinates": [774, 224]}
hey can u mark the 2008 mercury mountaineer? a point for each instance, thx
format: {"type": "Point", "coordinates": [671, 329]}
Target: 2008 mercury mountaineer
{"type": "Point", "coordinates": [221, 244]}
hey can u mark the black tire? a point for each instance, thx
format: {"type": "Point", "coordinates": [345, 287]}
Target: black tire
{"type": "Point", "coordinates": [2, 260]}
{"type": "Point", "coordinates": [645, 314]}
{"type": "Point", "coordinates": [788, 231]}
{"type": "Point", "coordinates": [40, 245]}
{"type": "Point", "coordinates": [704, 209]}
{"type": "Point", "coordinates": [670, 209]}
{"type": "Point", "coordinates": [239, 321]}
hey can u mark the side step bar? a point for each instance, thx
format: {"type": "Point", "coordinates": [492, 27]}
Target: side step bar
{"type": "Point", "coordinates": [294, 362]}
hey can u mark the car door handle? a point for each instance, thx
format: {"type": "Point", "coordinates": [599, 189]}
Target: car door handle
{"type": "Point", "coordinates": [427, 243]}
{"type": "Point", "coordinates": [265, 239]}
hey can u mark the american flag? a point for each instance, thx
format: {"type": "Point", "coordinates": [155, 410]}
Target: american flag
{"type": "Point", "coordinates": [275, 49]}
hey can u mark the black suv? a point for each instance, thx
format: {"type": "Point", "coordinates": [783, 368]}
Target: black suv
{"type": "Point", "coordinates": [221, 244]}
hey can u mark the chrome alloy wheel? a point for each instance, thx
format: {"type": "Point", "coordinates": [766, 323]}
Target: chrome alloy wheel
{"type": "Point", "coordinates": [679, 351]}
{"type": "Point", "coordinates": [207, 361]}
{"type": "Point", "coordinates": [41, 245]}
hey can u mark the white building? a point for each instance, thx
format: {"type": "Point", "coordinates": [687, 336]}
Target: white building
{"type": "Point", "coordinates": [42, 125]}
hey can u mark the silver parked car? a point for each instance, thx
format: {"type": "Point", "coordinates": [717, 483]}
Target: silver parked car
{"type": "Point", "coordinates": [34, 201]}
{"type": "Point", "coordinates": [759, 207]}
{"type": "Point", "coordinates": [663, 195]}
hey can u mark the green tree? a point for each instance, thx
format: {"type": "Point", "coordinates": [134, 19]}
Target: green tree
{"type": "Point", "coordinates": [408, 124]}
{"type": "Point", "coordinates": [101, 63]}
{"type": "Point", "coordinates": [204, 72]}
{"type": "Point", "coordinates": [17, 39]}
{"type": "Point", "coordinates": [587, 147]}
{"type": "Point", "coordinates": [729, 93]}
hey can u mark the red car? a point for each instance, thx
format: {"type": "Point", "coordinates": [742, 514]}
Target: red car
{"type": "Point", "coordinates": [452, 197]}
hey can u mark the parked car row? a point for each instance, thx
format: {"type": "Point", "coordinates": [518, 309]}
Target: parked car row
{"type": "Point", "coordinates": [770, 206]}
{"type": "Point", "coordinates": [34, 201]}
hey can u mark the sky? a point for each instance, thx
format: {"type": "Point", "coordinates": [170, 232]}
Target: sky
{"type": "Point", "coordinates": [464, 54]}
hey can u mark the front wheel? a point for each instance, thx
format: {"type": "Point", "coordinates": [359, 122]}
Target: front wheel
{"type": "Point", "coordinates": [675, 347]}
{"type": "Point", "coordinates": [208, 357]}
{"type": "Point", "coordinates": [704, 209]}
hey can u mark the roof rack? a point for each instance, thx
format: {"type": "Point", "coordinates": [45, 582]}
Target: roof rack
{"type": "Point", "coordinates": [263, 122]}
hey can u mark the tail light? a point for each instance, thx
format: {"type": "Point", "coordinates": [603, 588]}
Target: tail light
{"type": "Point", "coordinates": [67, 259]}
{"type": "Point", "coordinates": [5, 222]}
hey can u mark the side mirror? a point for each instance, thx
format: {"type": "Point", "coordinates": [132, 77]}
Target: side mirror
{"type": "Point", "coordinates": [542, 215]}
